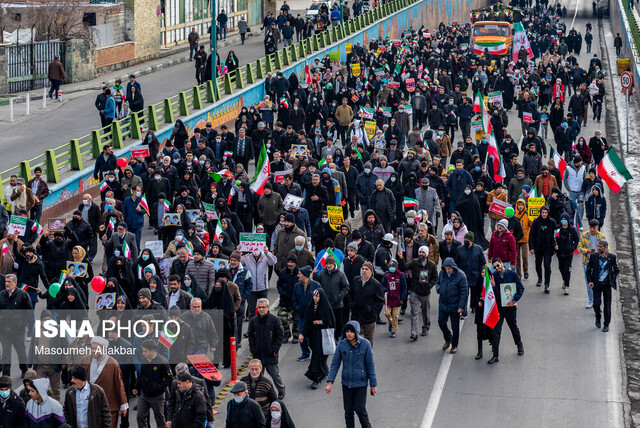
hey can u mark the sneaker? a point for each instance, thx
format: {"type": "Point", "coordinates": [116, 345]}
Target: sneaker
{"type": "Point", "coordinates": [424, 331]}
{"type": "Point", "coordinates": [303, 358]}
{"type": "Point", "coordinates": [589, 305]}
{"type": "Point", "coordinates": [526, 275]}
{"type": "Point", "coordinates": [403, 311]}
{"type": "Point", "coordinates": [605, 329]}
{"type": "Point", "coordinates": [566, 291]}
{"type": "Point", "coordinates": [546, 289]}
{"type": "Point", "coordinates": [563, 286]}
{"type": "Point", "coordinates": [392, 335]}
{"type": "Point", "coordinates": [314, 385]}
{"type": "Point", "coordinates": [539, 284]}
{"type": "Point", "coordinates": [294, 340]}
{"type": "Point", "coordinates": [413, 337]}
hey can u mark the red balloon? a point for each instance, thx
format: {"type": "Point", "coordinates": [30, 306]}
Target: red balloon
{"type": "Point", "coordinates": [97, 284]}
{"type": "Point", "coordinates": [122, 162]}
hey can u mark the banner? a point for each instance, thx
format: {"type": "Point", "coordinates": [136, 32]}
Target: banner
{"type": "Point", "coordinates": [292, 201]}
{"type": "Point", "coordinates": [495, 97]}
{"type": "Point", "coordinates": [534, 205]}
{"type": "Point", "coordinates": [348, 48]}
{"type": "Point", "coordinates": [17, 225]}
{"type": "Point", "coordinates": [155, 247]}
{"type": "Point", "coordinates": [499, 206]}
{"type": "Point", "coordinates": [386, 111]}
{"type": "Point", "coordinates": [370, 128]}
{"type": "Point", "coordinates": [393, 85]}
{"type": "Point", "coordinates": [476, 126]}
{"type": "Point", "coordinates": [410, 84]}
{"type": "Point", "coordinates": [142, 152]}
{"type": "Point", "coordinates": [379, 72]}
{"type": "Point", "coordinates": [368, 112]}
{"type": "Point", "coordinates": [278, 177]}
{"type": "Point", "coordinates": [355, 69]}
{"type": "Point", "coordinates": [335, 217]}
{"type": "Point", "coordinates": [210, 211]}
{"type": "Point", "coordinates": [205, 367]}
{"type": "Point", "coordinates": [527, 117]}
{"type": "Point", "coordinates": [334, 56]}
{"type": "Point", "coordinates": [250, 242]}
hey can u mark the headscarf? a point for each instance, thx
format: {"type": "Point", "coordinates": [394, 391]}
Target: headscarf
{"type": "Point", "coordinates": [81, 254]}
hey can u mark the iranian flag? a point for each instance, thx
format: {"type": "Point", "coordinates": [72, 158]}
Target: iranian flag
{"type": "Point", "coordinates": [495, 48]}
{"type": "Point", "coordinates": [218, 232]}
{"type": "Point", "coordinates": [166, 339]}
{"type": "Point", "coordinates": [217, 176]}
{"type": "Point", "coordinates": [307, 77]}
{"type": "Point", "coordinates": [189, 247]}
{"type": "Point", "coordinates": [262, 173]}
{"type": "Point", "coordinates": [25, 287]}
{"type": "Point", "coordinates": [533, 193]}
{"type": "Point", "coordinates": [322, 163]}
{"type": "Point", "coordinates": [37, 228]}
{"type": "Point", "coordinates": [112, 223]}
{"type": "Point", "coordinates": [284, 102]}
{"type": "Point", "coordinates": [409, 203]}
{"type": "Point", "coordinates": [612, 171]}
{"type": "Point", "coordinates": [166, 204]}
{"type": "Point", "coordinates": [63, 276]}
{"type": "Point", "coordinates": [576, 224]}
{"type": "Point", "coordinates": [520, 39]}
{"type": "Point", "coordinates": [498, 167]}
{"type": "Point", "coordinates": [5, 248]}
{"type": "Point", "coordinates": [323, 261]}
{"type": "Point", "coordinates": [561, 164]}
{"type": "Point", "coordinates": [480, 107]}
{"type": "Point", "coordinates": [145, 205]}
{"type": "Point", "coordinates": [140, 272]}
{"type": "Point", "coordinates": [103, 186]}
{"type": "Point", "coordinates": [491, 316]}
{"type": "Point", "coordinates": [126, 251]}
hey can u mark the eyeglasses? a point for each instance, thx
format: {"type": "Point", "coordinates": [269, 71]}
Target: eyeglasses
{"type": "Point", "coordinates": [263, 307]}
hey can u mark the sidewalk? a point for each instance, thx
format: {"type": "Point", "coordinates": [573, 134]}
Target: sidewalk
{"type": "Point", "coordinates": [168, 58]}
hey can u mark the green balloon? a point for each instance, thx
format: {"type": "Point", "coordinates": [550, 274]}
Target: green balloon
{"type": "Point", "coordinates": [54, 289]}
{"type": "Point", "coordinates": [509, 212]}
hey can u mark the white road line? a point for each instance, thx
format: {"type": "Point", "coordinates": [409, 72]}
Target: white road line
{"type": "Point", "coordinates": [438, 387]}
{"type": "Point", "coordinates": [575, 13]}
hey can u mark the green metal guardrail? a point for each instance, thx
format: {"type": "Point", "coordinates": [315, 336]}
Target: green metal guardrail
{"type": "Point", "coordinates": [633, 24]}
{"type": "Point", "coordinates": [74, 154]}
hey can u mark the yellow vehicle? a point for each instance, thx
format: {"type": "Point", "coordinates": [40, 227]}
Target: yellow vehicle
{"type": "Point", "coordinates": [492, 36]}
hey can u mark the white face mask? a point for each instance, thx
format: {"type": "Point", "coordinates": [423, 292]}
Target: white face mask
{"type": "Point", "coordinates": [86, 203]}
{"type": "Point", "coordinates": [467, 191]}
{"type": "Point", "coordinates": [276, 415]}
{"type": "Point", "coordinates": [138, 193]}
{"type": "Point", "coordinates": [411, 220]}
{"type": "Point", "coordinates": [325, 219]}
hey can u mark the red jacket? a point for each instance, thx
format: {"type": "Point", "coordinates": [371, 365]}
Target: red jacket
{"type": "Point", "coordinates": [503, 247]}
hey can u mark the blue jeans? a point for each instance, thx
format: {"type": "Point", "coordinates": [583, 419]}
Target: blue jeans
{"type": "Point", "coordinates": [192, 50]}
{"type": "Point", "coordinates": [36, 212]}
{"type": "Point", "coordinates": [138, 233]}
{"type": "Point", "coordinates": [304, 345]}
{"type": "Point", "coordinates": [443, 318]}
{"type": "Point", "coordinates": [222, 32]}
{"type": "Point", "coordinates": [589, 290]}
{"type": "Point", "coordinates": [579, 207]}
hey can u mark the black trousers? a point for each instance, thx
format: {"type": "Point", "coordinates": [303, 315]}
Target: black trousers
{"type": "Point", "coordinates": [565, 268]}
{"type": "Point", "coordinates": [337, 313]}
{"type": "Point", "coordinates": [545, 257]}
{"type": "Point", "coordinates": [508, 314]}
{"type": "Point", "coordinates": [342, 132]}
{"type": "Point", "coordinates": [600, 293]}
{"type": "Point", "coordinates": [465, 126]}
{"type": "Point", "coordinates": [350, 205]}
{"type": "Point", "coordinates": [355, 400]}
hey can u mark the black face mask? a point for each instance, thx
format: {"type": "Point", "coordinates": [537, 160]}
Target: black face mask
{"type": "Point", "coordinates": [76, 221]}
{"type": "Point", "coordinates": [59, 241]}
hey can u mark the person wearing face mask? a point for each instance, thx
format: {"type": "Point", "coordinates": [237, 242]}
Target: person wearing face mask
{"type": "Point", "coordinates": [471, 260]}
{"type": "Point", "coordinates": [408, 165]}
{"type": "Point", "coordinates": [56, 249]}
{"type": "Point", "coordinates": [202, 270]}
{"type": "Point", "coordinates": [12, 407]}
{"type": "Point", "coordinates": [81, 228]}
{"type": "Point", "coordinates": [257, 264]}
{"type": "Point", "coordinates": [394, 285]}
{"type": "Point", "coordinates": [242, 411]}
{"type": "Point", "coordinates": [133, 213]}
{"type": "Point", "coordinates": [114, 246]}
{"type": "Point", "coordinates": [566, 243]}
{"type": "Point", "coordinates": [495, 194]}
{"type": "Point", "coordinates": [279, 416]}
{"type": "Point", "coordinates": [428, 200]}
{"type": "Point", "coordinates": [287, 279]}
{"type": "Point", "coordinates": [564, 139]}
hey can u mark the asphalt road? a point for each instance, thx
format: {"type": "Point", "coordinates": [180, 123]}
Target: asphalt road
{"type": "Point", "coordinates": [570, 376]}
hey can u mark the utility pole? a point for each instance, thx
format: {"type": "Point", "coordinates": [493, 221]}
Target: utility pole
{"type": "Point", "coordinates": [341, 13]}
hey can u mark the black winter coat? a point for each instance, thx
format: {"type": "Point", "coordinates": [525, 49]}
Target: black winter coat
{"type": "Point", "coordinates": [192, 409]}
{"type": "Point", "coordinates": [265, 338]}
{"type": "Point", "coordinates": [247, 414]}
{"type": "Point", "coordinates": [541, 234]}
{"type": "Point", "coordinates": [366, 300]}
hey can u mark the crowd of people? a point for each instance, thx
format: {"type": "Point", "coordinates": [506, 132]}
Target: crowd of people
{"type": "Point", "coordinates": [376, 141]}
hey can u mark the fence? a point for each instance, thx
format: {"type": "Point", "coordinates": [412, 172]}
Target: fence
{"type": "Point", "coordinates": [28, 64]}
{"type": "Point", "coordinates": [79, 153]}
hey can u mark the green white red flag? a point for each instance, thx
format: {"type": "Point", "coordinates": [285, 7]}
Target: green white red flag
{"type": "Point", "coordinates": [520, 39]}
{"type": "Point", "coordinates": [409, 203]}
{"type": "Point", "coordinates": [561, 164]}
{"type": "Point", "coordinates": [490, 316]}
{"type": "Point", "coordinates": [498, 167]}
{"type": "Point", "coordinates": [612, 171]}
{"type": "Point", "coordinates": [262, 172]}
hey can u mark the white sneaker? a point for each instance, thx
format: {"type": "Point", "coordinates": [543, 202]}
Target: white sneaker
{"type": "Point", "coordinates": [589, 305]}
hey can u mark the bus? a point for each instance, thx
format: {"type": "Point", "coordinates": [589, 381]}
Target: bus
{"type": "Point", "coordinates": [494, 36]}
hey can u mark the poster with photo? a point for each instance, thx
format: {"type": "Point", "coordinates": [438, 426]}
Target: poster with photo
{"type": "Point", "coordinates": [193, 215]}
{"type": "Point", "coordinates": [171, 219]}
{"type": "Point", "coordinates": [105, 301]}
{"type": "Point", "coordinates": [507, 290]}
{"type": "Point", "coordinates": [76, 269]}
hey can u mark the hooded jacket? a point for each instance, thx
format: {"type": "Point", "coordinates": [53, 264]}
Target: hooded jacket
{"type": "Point", "coordinates": [358, 368]}
{"type": "Point", "coordinates": [596, 206]}
{"type": "Point", "coordinates": [130, 182]}
{"type": "Point", "coordinates": [502, 246]}
{"type": "Point", "coordinates": [341, 241]}
{"type": "Point", "coordinates": [372, 234]}
{"type": "Point", "coordinates": [453, 289]}
{"type": "Point", "coordinates": [48, 413]}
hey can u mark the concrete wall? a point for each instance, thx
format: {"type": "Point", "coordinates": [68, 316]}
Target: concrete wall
{"type": "Point", "coordinates": [66, 195]}
{"type": "Point", "coordinates": [620, 25]}
{"type": "Point", "coordinates": [4, 72]}
{"type": "Point", "coordinates": [143, 27]}
{"type": "Point", "coordinates": [80, 60]}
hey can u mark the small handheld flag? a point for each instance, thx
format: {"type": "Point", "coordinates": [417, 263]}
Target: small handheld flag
{"type": "Point", "coordinates": [126, 251]}
{"type": "Point", "coordinates": [103, 186]}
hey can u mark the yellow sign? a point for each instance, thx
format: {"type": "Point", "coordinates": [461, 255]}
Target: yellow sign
{"type": "Point", "coordinates": [348, 48]}
{"type": "Point", "coordinates": [370, 127]}
{"type": "Point", "coordinates": [335, 217]}
{"type": "Point", "coordinates": [355, 69]}
{"type": "Point", "coordinates": [534, 207]}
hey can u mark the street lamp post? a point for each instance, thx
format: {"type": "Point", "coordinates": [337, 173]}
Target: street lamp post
{"type": "Point", "coordinates": [341, 13]}
{"type": "Point", "coordinates": [214, 57]}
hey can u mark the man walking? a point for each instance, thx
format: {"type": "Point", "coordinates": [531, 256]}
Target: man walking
{"type": "Point", "coordinates": [155, 378]}
{"type": "Point", "coordinates": [265, 339]}
{"type": "Point", "coordinates": [356, 356]}
{"type": "Point", "coordinates": [56, 76]}
{"type": "Point", "coordinates": [617, 43]}
{"type": "Point", "coordinates": [602, 275]}
{"type": "Point", "coordinates": [15, 313]}
{"type": "Point", "coordinates": [454, 292]}
{"type": "Point", "coordinates": [193, 39]}
{"type": "Point", "coordinates": [503, 280]}
{"type": "Point", "coordinates": [366, 299]}
{"type": "Point", "coordinates": [86, 405]}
